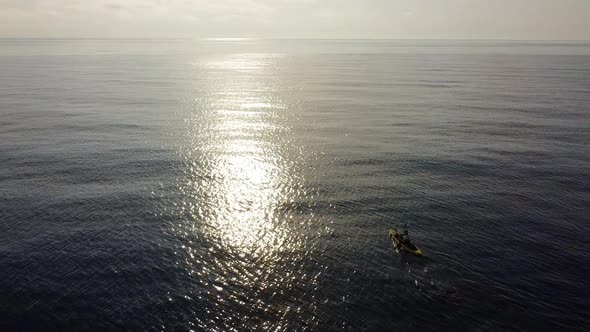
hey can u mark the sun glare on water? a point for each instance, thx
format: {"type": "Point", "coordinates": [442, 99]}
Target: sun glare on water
{"type": "Point", "coordinates": [241, 165]}
{"type": "Point", "coordinates": [242, 195]}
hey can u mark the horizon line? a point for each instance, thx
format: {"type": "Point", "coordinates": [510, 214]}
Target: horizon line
{"type": "Point", "coordinates": [294, 38]}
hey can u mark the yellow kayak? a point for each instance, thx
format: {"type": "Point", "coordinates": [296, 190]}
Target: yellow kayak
{"type": "Point", "coordinates": [408, 246]}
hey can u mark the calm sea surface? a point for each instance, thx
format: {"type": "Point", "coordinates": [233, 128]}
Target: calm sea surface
{"type": "Point", "coordinates": [238, 185]}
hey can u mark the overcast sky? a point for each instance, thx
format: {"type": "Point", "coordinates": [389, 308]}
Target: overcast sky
{"type": "Point", "coordinates": [471, 19]}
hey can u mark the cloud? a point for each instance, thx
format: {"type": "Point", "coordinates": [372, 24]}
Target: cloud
{"type": "Point", "coordinates": [114, 6]}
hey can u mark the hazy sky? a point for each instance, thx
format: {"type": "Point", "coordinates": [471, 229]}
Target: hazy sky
{"type": "Point", "coordinates": [477, 19]}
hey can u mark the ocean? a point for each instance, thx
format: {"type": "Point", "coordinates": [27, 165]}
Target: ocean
{"type": "Point", "coordinates": [250, 185]}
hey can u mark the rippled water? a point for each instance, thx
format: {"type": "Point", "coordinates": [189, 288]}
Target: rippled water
{"type": "Point", "coordinates": [250, 185]}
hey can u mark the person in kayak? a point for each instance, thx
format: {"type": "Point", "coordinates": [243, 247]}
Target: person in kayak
{"type": "Point", "coordinates": [402, 241]}
{"type": "Point", "coordinates": [405, 238]}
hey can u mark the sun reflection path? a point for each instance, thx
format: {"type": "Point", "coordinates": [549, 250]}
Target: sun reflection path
{"type": "Point", "coordinates": [252, 178]}
{"type": "Point", "coordinates": [247, 226]}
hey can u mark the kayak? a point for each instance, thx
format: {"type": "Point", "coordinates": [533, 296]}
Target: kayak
{"type": "Point", "coordinates": [409, 247]}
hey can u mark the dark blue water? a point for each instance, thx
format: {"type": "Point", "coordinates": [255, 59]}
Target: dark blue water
{"type": "Point", "coordinates": [251, 184]}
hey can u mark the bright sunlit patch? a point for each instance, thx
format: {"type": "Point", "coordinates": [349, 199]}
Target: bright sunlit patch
{"type": "Point", "coordinates": [246, 181]}
{"type": "Point", "coordinates": [253, 64]}
{"type": "Point", "coordinates": [238, 113]}
{"type": "Point", "coordinates": [243, 234]}
{"type": "Point", "coordinates": [249, 190]}
{"type": "Point", "coordinates": [258, 105]}
{"type": "Point", "coordinates": [247, 200]}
